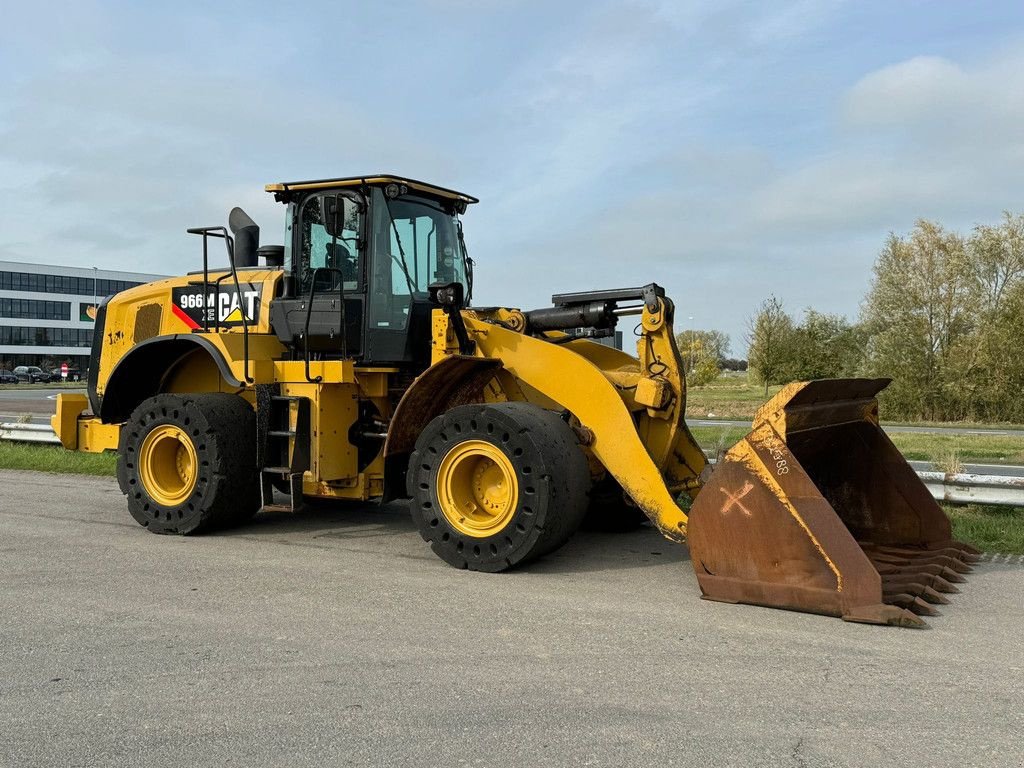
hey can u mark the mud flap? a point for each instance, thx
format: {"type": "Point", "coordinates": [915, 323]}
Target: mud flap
{"type": "Point", "coordinates": [816, 510]}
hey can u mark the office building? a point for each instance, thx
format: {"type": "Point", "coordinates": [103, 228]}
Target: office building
{"type": "Point", "coordinates": [47, 311]}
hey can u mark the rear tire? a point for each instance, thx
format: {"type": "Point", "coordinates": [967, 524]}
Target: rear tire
{"type": "Point", "coordinates": [187, 463]}
{"type": "Point", "coordinates": [495, 486]}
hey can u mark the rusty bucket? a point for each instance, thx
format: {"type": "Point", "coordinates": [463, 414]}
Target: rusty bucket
{"type": "Point", "coordinates": [816, 510]}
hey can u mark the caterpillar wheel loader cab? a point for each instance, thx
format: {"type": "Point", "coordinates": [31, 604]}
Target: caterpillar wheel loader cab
{"type": "Point", "coordinates": [350, 363]}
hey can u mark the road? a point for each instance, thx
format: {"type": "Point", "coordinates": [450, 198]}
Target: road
{"type": "Point", "coordinates": [337, 638]}
{"type": "Point", "coordinates": [39, 404]}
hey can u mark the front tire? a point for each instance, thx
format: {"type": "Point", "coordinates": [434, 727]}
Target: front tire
{"type": "Point", "coordinates": [495, 486]}
{"type": "Point", "coordinates": [187, 463]}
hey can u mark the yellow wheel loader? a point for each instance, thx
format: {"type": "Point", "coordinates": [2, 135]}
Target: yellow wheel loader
{"type": "Point", "coordinates": [350, 363]}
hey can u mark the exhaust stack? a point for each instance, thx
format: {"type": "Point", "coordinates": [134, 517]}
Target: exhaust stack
{"type": "Point", "coordinates": [247, 238]}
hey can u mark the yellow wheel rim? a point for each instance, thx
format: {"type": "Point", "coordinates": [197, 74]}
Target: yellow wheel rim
{"type": "Point", "coordinates": [167, 465]}
{"type": "Point", "coordinates": [477, 488]}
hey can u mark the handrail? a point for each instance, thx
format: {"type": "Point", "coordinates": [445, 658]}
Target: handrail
{"type": "Point", "coordinates": [229, 245]}
{"type": "Point", "coordinates": [309, 313]}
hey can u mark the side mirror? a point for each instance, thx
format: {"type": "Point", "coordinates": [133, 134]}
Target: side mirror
{"type": "Point", "coordinates": [329, 214]}
{"type": "Point", "coordinates": [339, 213]}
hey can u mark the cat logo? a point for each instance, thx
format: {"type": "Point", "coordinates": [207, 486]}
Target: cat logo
{"type": "Point", "coordinates": [218, 308]}
{"type": "Point", "coordinates": [235, 316]}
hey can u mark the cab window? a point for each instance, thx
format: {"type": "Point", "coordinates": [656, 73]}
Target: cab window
{"type": "Point", "coordinates": [416, 242]}
{"type": "Point", "coordinates": [320, 248]}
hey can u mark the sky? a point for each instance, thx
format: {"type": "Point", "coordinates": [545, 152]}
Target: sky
{"type": "Point", "coordinates": [726, 150]}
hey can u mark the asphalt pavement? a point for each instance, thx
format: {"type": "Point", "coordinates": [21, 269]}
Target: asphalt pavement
{"type": "Point", "coordinates": [37, 403]}
{"type": "Point", "coordinates": [335, 637]}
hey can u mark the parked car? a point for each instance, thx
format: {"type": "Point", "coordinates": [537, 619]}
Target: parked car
{"type": "Point", "coordinates": [6, 377]}
{"type": "Point", "coordinates": [31, 374]}
{"type": "Point", "coordinates": [74, 374]}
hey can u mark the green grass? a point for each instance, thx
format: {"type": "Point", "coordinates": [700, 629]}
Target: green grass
{"type": "Point", "coordinates": [727, 397]}
{"type": "Point", "coordinates": [50, 458]}
{"type": "Point", "coordinates": [990, 529]}
{"type": "Point", "coordinates": [718, 439]}
{"type": "Point", "coordinates": [970, 449]}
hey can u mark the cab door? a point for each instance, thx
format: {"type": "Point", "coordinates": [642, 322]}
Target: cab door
{"type": "Point", "coordinates": [328, 262]}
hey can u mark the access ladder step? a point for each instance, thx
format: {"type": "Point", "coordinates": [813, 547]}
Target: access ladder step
{"type": "Point", "coordinates": [279, 508]}
{"type": "Point", "coordinates": [295, 500]}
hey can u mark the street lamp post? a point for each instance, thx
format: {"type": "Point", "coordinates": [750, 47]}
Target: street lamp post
{"type": "Point", "coordinates": [95, 298]}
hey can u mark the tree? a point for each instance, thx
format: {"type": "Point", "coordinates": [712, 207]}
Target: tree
{"type": "Point", "coordinates": [770, 334]}
{"type": "Point", "coordinates": [994, 380]}
{"type": "Point", "coordinates": [920, 314]}
{"type": "Point", "coordinates": [997, 259]}
{"type": "Point", "coordinates": [824, 346]}
{"type": "Point", "coordinates": [702, 353]}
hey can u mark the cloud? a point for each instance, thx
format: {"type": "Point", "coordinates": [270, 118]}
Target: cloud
{"type": "Point", "coordinates": [726, 148]}
{"type": "Point", "coordinates": [923, 137]}
{"type": "Point", "coordinates": [124, 158]}
{"type": "Point", "coordinates": [921, 88]}
{"type": "Point", "coordinates": [724, 224]}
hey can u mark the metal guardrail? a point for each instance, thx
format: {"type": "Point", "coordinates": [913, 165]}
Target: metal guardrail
{"type": "Point", "coordinates": [975, 489]}
{"type": "Point", "coordinates": [28, 433]}
{"type": "Point", "coordinates": [953, 489]}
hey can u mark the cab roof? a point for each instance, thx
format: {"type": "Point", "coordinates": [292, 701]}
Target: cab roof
{"type": "Point", "coordinates": [283, 188]}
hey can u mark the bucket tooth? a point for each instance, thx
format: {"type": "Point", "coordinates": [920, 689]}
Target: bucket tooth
{"type": "Point", "coordinates": [965, 548]}
{"type": "Point", "coordinates": [962, 553]}
{"type": "Point", "coordinates": [951, 562]}
{"type": "Point", "coordinates": [926, 568]}
{"type": "Point", "coordinates": [934, 597]}
{"type": "Point", "coordinates": [950, 575]}
{"type": "Point", "coordinates": [937, 583]}
{"type": "Point", "coordinates": [885, 614]}
{"type": "Point", "coordinates": [911, 603]}
{"type": "Point", "coordinates": [923, 559]}
{"type": "Point", "coordinates": [916, 589]}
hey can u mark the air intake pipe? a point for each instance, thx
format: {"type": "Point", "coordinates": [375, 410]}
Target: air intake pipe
{"type": "Point", "coordinates": [247, 238]}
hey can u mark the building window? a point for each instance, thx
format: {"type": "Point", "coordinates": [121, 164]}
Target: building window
{"type": "Point", "coordinates": [17, 336]}
{"type": "Point", "coordinates": [34, 309]}
{"type": "Point", "coordinates": [78, 286]}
